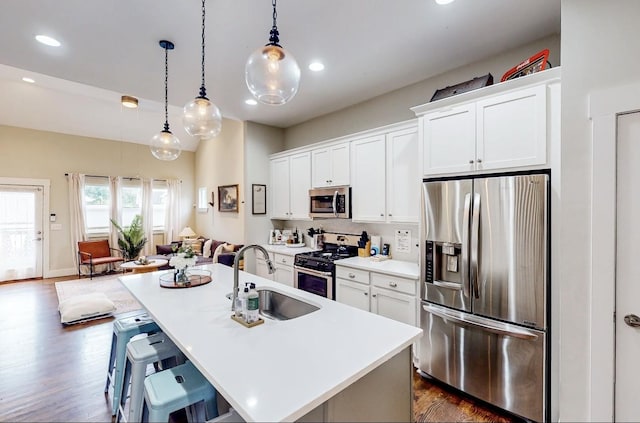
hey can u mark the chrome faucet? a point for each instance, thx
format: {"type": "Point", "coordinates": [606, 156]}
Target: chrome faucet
{"type": "Point", "coordinates": [236, 262]}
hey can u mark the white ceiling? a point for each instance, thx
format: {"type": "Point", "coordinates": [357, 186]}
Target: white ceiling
{"type": "Point", "coordinates": [110, 48]}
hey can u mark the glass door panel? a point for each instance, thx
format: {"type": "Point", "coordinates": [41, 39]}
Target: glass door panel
{"type": "Point", "coordinates": [20, 232]}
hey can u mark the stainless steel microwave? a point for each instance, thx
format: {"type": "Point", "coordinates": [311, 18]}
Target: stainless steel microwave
{"type": "Point", "coordinates": [332, 203]}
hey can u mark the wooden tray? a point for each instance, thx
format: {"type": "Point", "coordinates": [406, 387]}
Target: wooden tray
{"type": "Point", "coordinates": [166, 281]}
{"type": "Point", "coordinates": [245, 324]}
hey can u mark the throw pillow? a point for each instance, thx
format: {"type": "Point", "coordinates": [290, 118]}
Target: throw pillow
{"type": "Point", "coordinates": [85, 307]}
{"type": "Point", "coordinates": [206, 248]}
{"type": "Point", "coordinates": [228, 248]}
{"type": "Point", "coordinates": [195, 244]}
{"type": "Point", "coordinates": [164, 249]}
{"type": "Point", "coordinates": [217, 252]}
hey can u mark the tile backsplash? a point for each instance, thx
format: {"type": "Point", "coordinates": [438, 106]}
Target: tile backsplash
{"type": "Point", "coordinates": [386, 232]}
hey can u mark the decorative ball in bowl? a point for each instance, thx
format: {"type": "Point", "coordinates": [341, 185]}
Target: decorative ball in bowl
{"type": "Point", "coordinates": [142, 260]}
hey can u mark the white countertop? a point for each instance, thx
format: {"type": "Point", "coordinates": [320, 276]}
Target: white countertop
{"type": "Point", "coordinates": [279, 370]}
{"type": "Point", "coordinates": [406, 269]}
{"type": "Point", "coordinates": [289, 251]}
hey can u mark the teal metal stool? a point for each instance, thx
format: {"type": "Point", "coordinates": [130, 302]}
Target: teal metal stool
{"type": "Point", "coordinates": [156, 349]}
{"type": "Point", "coordinates": [177, 388]}
{"type": "Point", "coordinates": [123, 330]}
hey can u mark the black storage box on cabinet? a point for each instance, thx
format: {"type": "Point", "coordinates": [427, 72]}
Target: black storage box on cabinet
{"type": "Point", "coordinates": [463, 87]}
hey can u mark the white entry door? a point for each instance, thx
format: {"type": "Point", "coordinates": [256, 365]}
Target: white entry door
{"type": "Point", "coordinates": [21, 232]}
{"type": "Point", "coordinates": [627, 335]}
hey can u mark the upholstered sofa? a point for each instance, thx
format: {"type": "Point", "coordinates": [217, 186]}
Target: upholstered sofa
{"type": "Point", "coordinates": [207, 251]}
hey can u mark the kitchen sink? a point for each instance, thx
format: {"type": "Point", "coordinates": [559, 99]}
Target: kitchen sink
{"type": "Point", "coordinates": [278, 306]}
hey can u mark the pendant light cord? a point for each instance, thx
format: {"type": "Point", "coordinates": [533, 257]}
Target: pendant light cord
{"type": "Point", "coordinates": [274, 40]}
{"type": "Point", "coordinates": [203, 91]}
{"type": "Point", "coordinates": [166, 88]}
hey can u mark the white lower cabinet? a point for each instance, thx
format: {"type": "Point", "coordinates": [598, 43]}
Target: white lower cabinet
{"type": "Point", "coordinates": [353, 293]}
{"type": "Point", "coordinates": [283, 265]}
{"type": "Point", "coordinates": [390, 296]}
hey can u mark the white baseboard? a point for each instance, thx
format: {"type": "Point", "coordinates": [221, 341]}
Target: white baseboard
{"type": "Point", "coordinates": [55, 273]}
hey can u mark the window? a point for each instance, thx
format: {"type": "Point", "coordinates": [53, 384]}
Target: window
{"type": "Point", "coordinates": [202, 199]}
{"type": "Point", "coordinates": [97, 197]}
{"type": "Point", "coordinates": [97, 201]}
{"type": "Point", "coordinates": [160, 203]}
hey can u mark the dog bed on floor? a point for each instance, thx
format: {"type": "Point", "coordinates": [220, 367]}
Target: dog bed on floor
{"type": "Point", "coordinates": [81, 308]}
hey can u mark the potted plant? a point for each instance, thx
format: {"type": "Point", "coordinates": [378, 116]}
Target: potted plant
{"type": "Point", "coordinates": [131, 240]}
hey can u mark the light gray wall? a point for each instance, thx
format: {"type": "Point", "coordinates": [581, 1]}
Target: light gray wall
{"type": "Point", "coordinates": [260, 141]}
{"type": "Point", "coordinates": [394, 106]}
{"type": "Point", "coordinates": [599, 50]}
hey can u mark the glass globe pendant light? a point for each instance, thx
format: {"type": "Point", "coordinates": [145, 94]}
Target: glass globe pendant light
{"type": "Point", "coordinates": [165, 145]}
{"type": "Point", "coordinates": [200, 116]}
{"type": "Point", "coordinates": [272, 73]}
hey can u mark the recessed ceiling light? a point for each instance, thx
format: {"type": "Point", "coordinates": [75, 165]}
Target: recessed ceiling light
{"type": "Point", "coordinates": [29, 80]}
{"type": "Point", "coordinates": [129, 102]}
{"type": "Point", "coordinates": [316, 66]}
{"type": "Point", "coordinates": [44, 39]}
{"type": "Point", "coordinates": [251, 102]}
{"type": "Point", "coordinates": [444, 1]}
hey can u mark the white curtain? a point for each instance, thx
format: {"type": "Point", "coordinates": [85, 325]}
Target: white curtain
{"type": "Point", "coordinates": [115, 182]}
{"type": "Point", "coordinates": [172, 223]}
{"type": "Point", "coordinates": [147, 215]}
{"type": "Point", "coordinates": [77, 227]}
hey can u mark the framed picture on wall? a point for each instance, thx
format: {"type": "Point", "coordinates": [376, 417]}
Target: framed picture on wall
{"type": "Point", "coordinates": [228, 198]}
{"type": "Point", "coordinates": [259, 199]}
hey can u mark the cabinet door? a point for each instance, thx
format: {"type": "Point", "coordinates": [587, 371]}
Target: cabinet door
{"type": "Point", "coordinates": [368, 179]}
{"type": "Point", "coordinates": [394, 305]}
{"type": "Point", "coordinates": [284, 274]}
{"type": "Point", "coordinates": [262, 269]}
{"type": "Point", "coordinates": [300, 183]}
{"type": "Point", "coordinates": [280, 188]}
{"type": "Point", "coordinates": [340, 164]}
{"type": "Point", "coordinates": [321, 167]}
{"type": "Point", "coordinates": [512, 129]}
{"type": "Point", "coordinates": [403, 176]}
{"type": "Point", "coordinates": [352, 293]}
{"type": "Point", "coordinates": [449, 140]}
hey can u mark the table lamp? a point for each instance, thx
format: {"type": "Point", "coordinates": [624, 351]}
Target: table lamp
{"type": "Point", "coordinates": [187, 233]}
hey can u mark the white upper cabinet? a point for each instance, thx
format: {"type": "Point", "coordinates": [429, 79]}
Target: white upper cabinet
{"type": "Point", "coordinates": [368, 179]}
{"type": "Point", "coordinates": [403, 176]}
{"type": "Point", "coordinates": [449, 140]}
{"type": "Point", "coordinates": [504, 126]}
{"type": "Point", "coordinates": [290, 184]}
{"type": "Point", "coordinates": [385, 177]}
{"type": "Point", "coordinates": [512, 129]}
{"type": "Point", "coordinates": [330, 165]}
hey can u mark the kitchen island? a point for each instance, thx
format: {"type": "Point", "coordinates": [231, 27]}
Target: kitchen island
{"type": "Point", "coordinates": [337, 363]}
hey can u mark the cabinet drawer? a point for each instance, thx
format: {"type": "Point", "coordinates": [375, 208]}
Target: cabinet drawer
{"type": "Point", "coordinates": [395, 283]}
{"type": "Point", "coordinates": [350, 274]}
{"type": "Point", "coordinates": [284, 259]}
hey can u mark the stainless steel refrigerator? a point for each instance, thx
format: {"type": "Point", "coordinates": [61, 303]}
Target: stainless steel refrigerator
{"type": "Point", "coordinates": [485, 287]}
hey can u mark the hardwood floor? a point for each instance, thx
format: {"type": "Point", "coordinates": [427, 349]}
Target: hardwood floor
{"type": "Point", "coordinates": [49, 372]}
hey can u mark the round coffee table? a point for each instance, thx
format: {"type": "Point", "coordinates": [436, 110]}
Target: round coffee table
{"type": "Point", "coordinates": [152, 266]}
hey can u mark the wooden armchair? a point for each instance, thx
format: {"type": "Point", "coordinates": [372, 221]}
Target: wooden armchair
{"type": "Point", "coordinates": [92, 253]}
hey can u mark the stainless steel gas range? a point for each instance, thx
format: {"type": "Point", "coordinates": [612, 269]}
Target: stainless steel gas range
{"type": "Point", "coordinates": [315, 271]}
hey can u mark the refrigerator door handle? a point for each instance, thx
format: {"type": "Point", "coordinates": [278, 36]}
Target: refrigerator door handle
{"type": "Point", "coordinates": [449, 285]}
{"type": "Point", "coordinates": [469, 320]}
{"type": "Point", "coordinates": [465, 245]}
{"type": "Point", "coordinates": [475, 225]}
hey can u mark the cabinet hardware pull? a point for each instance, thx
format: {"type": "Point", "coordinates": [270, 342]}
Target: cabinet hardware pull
{"type": "Point", "coordinates": [374, 295]}
{"type": "Point", "coordinates": [393, 284]}
{"type": "Point", "coordinates": [470, 161]}
{"type": "Point", "coordinates": [479, 160]}
{"type": "Point", "coordinates": [382, 214]}
{"type": "Point", "coordinates": [284, 260]}
{"type": "Point", "coordinates": [365, 293]}
{"type": "Point", "coordinates": [351, 275]}
{"type": "Point", "coordinates": [390, 214]}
